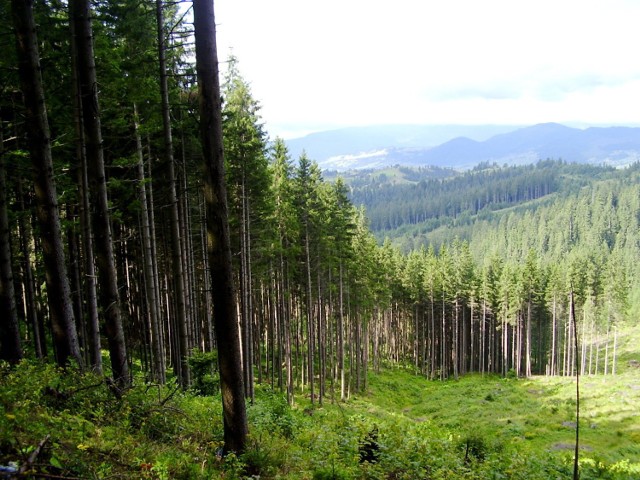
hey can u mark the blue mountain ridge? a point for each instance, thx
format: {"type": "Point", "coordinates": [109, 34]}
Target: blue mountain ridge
{"type": "Point", "coordinates": [617, 146]}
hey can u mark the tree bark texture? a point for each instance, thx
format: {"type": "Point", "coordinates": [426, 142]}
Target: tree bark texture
{"type": "Point", "coordinates": [218, 240]}
{"type": "Point", "coordinates": [181, 299]}
{"type": "Point", "coordinates": [10, 349]}
{"type": "Point", "coordinates": [88, 258]}
{"type": "Point", "coordinates": [151, 293]}
{"type": "Point", "coordinates": [107, 274]}
{"type": "Point", "coordinates": [65, 337]}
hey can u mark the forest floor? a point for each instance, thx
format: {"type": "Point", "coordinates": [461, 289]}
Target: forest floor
{"type": "Point", "coordinates": [478, 427]}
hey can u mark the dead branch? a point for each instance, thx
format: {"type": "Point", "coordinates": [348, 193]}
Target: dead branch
{"type": "Point", "coordinates": [33, 456]}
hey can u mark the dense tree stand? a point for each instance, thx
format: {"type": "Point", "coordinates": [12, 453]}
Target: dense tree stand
{"type": "Point", "coordinates": [65, 336]}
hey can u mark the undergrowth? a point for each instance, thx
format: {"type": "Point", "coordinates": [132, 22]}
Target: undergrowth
{"type": "Point", "coordinates": [405, 427]}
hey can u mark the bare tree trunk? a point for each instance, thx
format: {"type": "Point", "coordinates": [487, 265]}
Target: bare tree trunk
{"type": "Point", "coordinates": [285, 313]}
{"type": "Point", "coordinates": [208, 343]}
{"type": "Point", "coordinates": [553, 339]}
{"type": "Point", "coordinates": [482, 337]}
{"type": "Point", "coordinates": [73, 251]}
{"type": "Point", "coordinates": [246, 309]}
{"type": "Point", "coordinates": [321, 343]}
{"type": "Point", "coordinates": [187, 254]}
{"type": "Point", "coordinates": [39, 142]}
{"type": "Point", "coordinates": [365, 355]}
{"type": "Point", "coordinates": [615, 349]}
{"type": "Point", "coordinates": [340, 336]}
{"type": "Point", "coordinates": [606, 349]}
{"type": "Point", "coordinates": [158, 367]}
{"type": "Point", "coordinates": [10, 348]}
{"type": "Point", "coordinates": [528, 341]}
{"type": "Point", "coordinates": [107, 275]}
{"type": "Point", "coordinates": [30, 306]}
{"type": "Point", "coordinates": [219, 249]}
{"type": "Point", "coordinates": [434, 336]}
{"type": "Point", "coordinates": [455, 353]}
{"type": "Point", "coordinates": [310, 324]}
{"type": "Point", "coordinates": [472, 337]}
{"type": "Point", "coordinates": [572, 318]}
{"type": "Point", "coordinates": [176, 243]}
{"type": "Point", "coordinates": [91, 295]}
{"type": "Point", "coordinates": [443, 373]}
{"type": "Point", "coordinates": [162, 313]}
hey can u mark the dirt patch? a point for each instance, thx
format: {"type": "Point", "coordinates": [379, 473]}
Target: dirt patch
{"type": "Point", "coordinates": [570, 446]}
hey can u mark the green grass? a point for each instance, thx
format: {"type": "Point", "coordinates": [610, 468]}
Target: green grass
{"type": "Point", "coordinates": [537, 413]}
{"type": "Point", "coordinates": [478, 427]}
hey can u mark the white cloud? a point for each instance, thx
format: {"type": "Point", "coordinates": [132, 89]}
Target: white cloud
{"type": "Point", "coordinates": [317, 64]}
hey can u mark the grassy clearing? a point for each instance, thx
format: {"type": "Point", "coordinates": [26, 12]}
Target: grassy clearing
{"type": "Point", "coordinates": [537, 414]}
{"type": "Point", "coordinates": [479, 427]}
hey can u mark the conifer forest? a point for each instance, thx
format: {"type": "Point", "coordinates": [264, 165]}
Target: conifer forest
{"type": "Point", "coordinates": [153, 233]}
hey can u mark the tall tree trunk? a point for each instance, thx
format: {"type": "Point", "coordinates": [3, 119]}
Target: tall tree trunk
{"type": "Point", "coordinates": [606, 348]}
{"type": "Point", "coordinates": [219, 249]}
{"type": "Point", "coordinates": [310, 321]}
{"type": "Point", "coordinates": [455, 337]}
{"type": "Point", "coordinates": [246, 309]}
{"type": "Point", "coordinates": [162, 313]}
{"type": "Point", "coordinates": [528, 339]}
{"type": "Point", "coordinates": [321, 342]}
{"type": "Point", "coordinates": [443, 363]}
{"type": "Point", "coordinates": [158, 367]}
{"type": "Point", "coordinates": [187, 254]}
{"type": "Point", "coordinates": [39, 142]}
{"type": "Point", "coordinates": [483, 321]}
{"type": "Point", "coordinates": [472, 338]}
{"type": "Point", "coordinates": [433, 352]}
{"type": "Point", "coordinates": [31, 308]}
{"type": "Point", "coordinates": [615, 349]}
{"type": "Point", "coordinates": [286, 325]}
{"type": "Point", "coordinates": [10, 348]}
{"type": "Point", "coordinates": [89, 284]}
{"type": "Point", "coordinates": [572, 319]}
{"type": "Point", "coordinates": [553, 338]}
{"type": "Point", "coordinates": [340, 333]}
{"type": "Point", "coordinates": [73, 251]}
{"type": "Point", "coordinates": [176, 243]}
{"type": "Point", "coordinates": [107, 275]}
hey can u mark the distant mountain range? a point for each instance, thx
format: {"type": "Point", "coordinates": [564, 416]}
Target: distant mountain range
{"type": "Point", "coordinates": [463, 147]}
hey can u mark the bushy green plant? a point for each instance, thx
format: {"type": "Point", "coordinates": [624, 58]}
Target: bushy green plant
{"type": "Point", "coordinates": [271, 413]}
{"type": "Point", "coordinates": [264, 457]}
{"type": "Point", "coordinates": [331, 473]}
{"type": "Point", "coordinates": [204, 372]}
{"type": "Point", "coordinates": [474, 446]}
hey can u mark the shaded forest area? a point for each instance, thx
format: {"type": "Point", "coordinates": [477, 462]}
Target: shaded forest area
{"type": "Point", "coordinates": [319, 302]}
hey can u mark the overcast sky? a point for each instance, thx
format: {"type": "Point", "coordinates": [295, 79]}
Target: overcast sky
{"type": "Point", "coordinates": [322, 64]}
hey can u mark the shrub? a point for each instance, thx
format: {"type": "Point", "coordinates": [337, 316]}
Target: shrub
{"type": "Point", "coordinates": [474, 447]}
{"type": "Point", "coordinates": [271, 413]}
{"type": "Point", "coordinates": [204, 372]}
{"type": "Point", "coordinates": [331, 473]}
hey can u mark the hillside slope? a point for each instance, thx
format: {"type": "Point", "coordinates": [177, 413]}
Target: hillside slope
{"type": "Point", "coordinates": [436, 209]}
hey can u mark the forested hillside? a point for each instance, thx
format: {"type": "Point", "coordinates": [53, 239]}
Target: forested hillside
{"type": "Point", "coordinates": [319, 301]}
{"type": "Point", "coordinates": [426, 201]}
{"type": "Point", "coordinates": [106, 249]}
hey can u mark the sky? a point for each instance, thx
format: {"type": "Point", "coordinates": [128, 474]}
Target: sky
{"type": "Point", "coordinates": [323, 64]}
